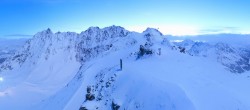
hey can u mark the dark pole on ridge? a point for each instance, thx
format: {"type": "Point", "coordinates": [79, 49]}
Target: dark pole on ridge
{"type": "Point", "coordinates": [121, 64]}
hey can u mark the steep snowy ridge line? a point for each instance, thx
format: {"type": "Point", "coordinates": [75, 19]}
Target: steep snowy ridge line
{"type": "Point", "coordinates": [67, 70]}
{"type": "Point", "coordinates": [63, 96]}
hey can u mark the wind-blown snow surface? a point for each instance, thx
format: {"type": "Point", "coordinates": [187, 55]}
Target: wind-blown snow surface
{"type": "Point", "coordinates": [54, 70]}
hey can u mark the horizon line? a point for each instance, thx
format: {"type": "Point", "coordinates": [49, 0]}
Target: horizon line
{"type": "Point", "coordinates": [163, 30]}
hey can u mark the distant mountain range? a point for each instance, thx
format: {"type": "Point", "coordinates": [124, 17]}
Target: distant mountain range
{"type": "Point", "coordinates": [68, 70]}
{"type": "Point", "coordinates": [9, 46]}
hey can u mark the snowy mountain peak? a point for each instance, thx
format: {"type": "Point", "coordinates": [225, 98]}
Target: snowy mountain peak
{"type": "Point", "coordinates": [223, 47]}
{"type": "Point", "coordinates": [152, 32]}
{"type": "Point", "coordinates": [92, 29]}
{"type": "Point", "coordinates": [116, 30]}
{"type": "Point", "coordinates": [43, 34]}
{"type": "Point", "coordinates": [113, 27]}
{"type": "Point", "coordinates": [153, 35]}
{"type": "Point", "coordinates": [188, 42]}
{"type": "Point", "coordinates": [47, 31]}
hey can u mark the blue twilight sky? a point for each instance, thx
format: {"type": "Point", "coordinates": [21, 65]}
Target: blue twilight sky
{"type": "Point", "coordinates": [176, 17]}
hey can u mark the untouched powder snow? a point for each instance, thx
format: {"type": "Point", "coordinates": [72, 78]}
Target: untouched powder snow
{"type": "Point", "coordinates": [69, 71]}
{"type": "Point", "coordinates": [130, 88]}
{"type": "Point", "coordinates": [170, 81]}
{"type": "Point", "coordinates": [42, 81]}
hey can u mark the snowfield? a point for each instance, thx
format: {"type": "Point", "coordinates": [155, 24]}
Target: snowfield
{"type": "Point", "coordinates": [70, 71]}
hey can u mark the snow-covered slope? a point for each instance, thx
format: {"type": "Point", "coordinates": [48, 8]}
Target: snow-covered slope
{"type": "Point", "coordinates": [236, 59]}
{"type": "Point", "coordinates": [71, 71]}
{"type": "Point", "coordinates": [50, 60]}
